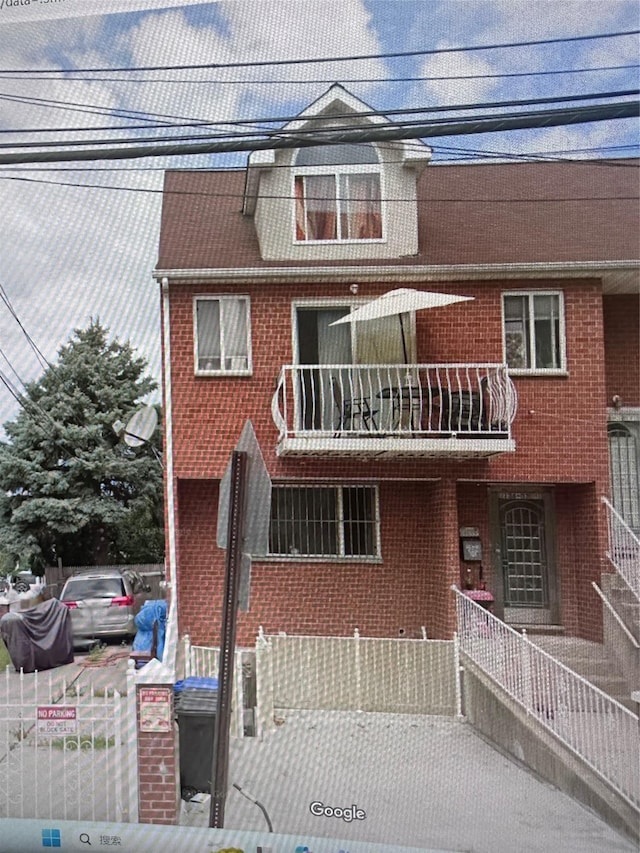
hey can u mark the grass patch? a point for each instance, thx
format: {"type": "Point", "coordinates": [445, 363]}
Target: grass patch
{"type": "Point", "coordinates": [85, 743]}
{"type": "Point", "coordinates": [5, 660]}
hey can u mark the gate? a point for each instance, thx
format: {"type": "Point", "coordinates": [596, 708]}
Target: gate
{"type": "Point", "coordinates": [61, 750]}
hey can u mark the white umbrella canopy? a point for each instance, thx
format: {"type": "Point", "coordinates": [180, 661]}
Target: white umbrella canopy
{"type": "Point", "coordinates": [400, 301]}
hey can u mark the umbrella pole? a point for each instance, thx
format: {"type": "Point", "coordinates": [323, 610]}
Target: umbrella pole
{"type": "Point", "coordinates": [404, 340]}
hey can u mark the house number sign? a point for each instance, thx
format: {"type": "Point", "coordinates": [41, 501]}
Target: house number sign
{"type": "Point", "coordinates": [155, 709]}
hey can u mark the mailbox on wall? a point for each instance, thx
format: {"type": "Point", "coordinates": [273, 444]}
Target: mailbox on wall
{"type": "Point", "coordinates": [470, 545]}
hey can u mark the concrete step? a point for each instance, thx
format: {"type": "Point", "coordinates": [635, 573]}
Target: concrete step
{"type": "Point", "coordinates": [590, 661]}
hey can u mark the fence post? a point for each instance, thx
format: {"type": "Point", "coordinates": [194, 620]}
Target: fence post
{"type": "Point", "coordinates": [356, 637]}
{"type": "Point", "coordinates": [264, 684]}
{"type": "Point", "coordinates": [187, 656]}
{"type": "Point", "coordinates": [458, 673]}
{"type": "Point", "coordinates": [158, 764]}
{"type": "Point", "coordinates": [527, 687]}
{"type": "Point", "coordinates": [131, 734]}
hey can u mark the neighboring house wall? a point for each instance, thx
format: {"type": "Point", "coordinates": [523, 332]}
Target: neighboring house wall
{"type": "Point", "coordinates": [622, 348]}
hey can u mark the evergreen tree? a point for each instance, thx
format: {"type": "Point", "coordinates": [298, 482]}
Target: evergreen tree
{"type": "Point", "coordinates": [70, 489]}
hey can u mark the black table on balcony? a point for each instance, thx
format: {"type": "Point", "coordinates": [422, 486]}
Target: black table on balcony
{"type": "Point", "coordinates": [403, 398]}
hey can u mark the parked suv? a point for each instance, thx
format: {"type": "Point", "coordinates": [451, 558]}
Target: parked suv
{"type": "Point", "coordinates": [103, 605]}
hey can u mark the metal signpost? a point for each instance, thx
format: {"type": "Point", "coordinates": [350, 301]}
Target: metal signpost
{"type": "Point", "coordinates": [245, 493]}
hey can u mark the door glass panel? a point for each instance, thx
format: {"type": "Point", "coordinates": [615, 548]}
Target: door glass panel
{"type": "Point", "coordinates": [625, 473]}
{"type": "Point", "coordinates": [524, 554]}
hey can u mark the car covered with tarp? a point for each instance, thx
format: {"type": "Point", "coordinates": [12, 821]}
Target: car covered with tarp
{"type": "Point", "coordinates": [38, 638]}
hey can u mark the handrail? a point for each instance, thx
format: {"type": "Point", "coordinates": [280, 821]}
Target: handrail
{"type": "Point", "coordinates": [615, 614]}
{"type": "Point", "coordinates": [624, 549]}
{"type": "Point", "coordinates": [599, 730]}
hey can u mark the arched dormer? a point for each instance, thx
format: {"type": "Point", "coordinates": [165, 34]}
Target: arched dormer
{"type": "Point", "coordinates": [347, 201]}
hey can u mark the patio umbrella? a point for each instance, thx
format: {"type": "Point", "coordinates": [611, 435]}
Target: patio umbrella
{"type": "Point", "coordinates": [400, 301]}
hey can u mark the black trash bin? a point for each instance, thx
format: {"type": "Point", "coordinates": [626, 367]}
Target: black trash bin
{"type": "Point", "coordinates": [196, 712]}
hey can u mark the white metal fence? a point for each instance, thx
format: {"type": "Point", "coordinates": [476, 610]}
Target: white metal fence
{"type": "Point", "coordinates": [62, 750]}
{"type": "Point", "coordinates": [203, 662]}
{"type": "Point", "coordinates": [357, 673]}
{"type": "Point", "coordinates": [624, 549]}
{"type": "Point", "coordinates": [601, 731]}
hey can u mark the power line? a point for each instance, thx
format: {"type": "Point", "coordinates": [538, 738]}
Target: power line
{"type": "Point", "coordinates": [184, 121]}
{"type": "Point", "coordinates": [552, 155]}
{"type": "Point", "coordinates": [281, 197]}
{"type": "Point", "coordinates": [299, 139]}
{"type": "Point", "coordinates": [314, 81]}
{"type": "Point", "coordinates": [261, 63]}
{"type": "Point", "coordinates": [41, 358]}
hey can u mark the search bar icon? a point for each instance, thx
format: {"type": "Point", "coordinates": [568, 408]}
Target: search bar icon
{"type": "Point", "coordinates": [85, 839]}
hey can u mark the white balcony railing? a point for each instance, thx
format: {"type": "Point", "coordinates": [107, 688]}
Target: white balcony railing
{"type": "Point", "coordinates": [465, 401]}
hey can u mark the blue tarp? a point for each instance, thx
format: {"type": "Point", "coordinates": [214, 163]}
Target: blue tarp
{"type": "Point", "coordinates": [152, 612]}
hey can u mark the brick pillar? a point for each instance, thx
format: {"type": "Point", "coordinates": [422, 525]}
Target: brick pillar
{"type": "Point", "coordinates": [158, 786]}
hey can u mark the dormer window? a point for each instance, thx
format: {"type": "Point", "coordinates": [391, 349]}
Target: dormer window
{"type": "Point", "coordinates": [337, 194]}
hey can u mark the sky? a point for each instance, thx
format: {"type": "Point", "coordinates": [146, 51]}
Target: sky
{"type": "Point", "coordinates": [70, 251]}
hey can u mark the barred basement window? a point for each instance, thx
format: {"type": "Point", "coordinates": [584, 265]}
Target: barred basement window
{"type": "Point", "coordinates": [324, 521]}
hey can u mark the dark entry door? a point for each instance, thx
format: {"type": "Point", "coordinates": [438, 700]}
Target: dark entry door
{"type": "Point", "coordinates": [524, 557]}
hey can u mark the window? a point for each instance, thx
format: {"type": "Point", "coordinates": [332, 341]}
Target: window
{"type": "Point", "coordinates": [534, 332]}
{"type": "Point", "coordinates": [625, 471]}
{"type": "Point", "coordinates": [222, 341]}
{"type": "Point", "coordinates": [324, 521]}
{"type": "Point", "coordinates": [337, 194]}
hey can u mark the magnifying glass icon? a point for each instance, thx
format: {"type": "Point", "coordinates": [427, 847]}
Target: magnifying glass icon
{"type": "Point", "coordinates": [84, 838]}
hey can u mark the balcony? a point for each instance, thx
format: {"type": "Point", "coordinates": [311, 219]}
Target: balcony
{"type": "Point", "coordinates": [394, 410]}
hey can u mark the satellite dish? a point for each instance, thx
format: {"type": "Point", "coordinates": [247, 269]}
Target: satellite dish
{"type": "Point", "coordinates": [141, 427]}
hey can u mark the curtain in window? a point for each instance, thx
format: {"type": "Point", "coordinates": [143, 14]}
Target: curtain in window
{"type": "Point", "coordinates": [234, 316]}
{"type": "Point", "coordinates": [209, 344]}
{"type": "Point", "coordinates": [360, 207]}
{"type": "Point", "coordinates": [516, 327]}
{"type": "Point", "coordinates": [546, 314]}
{"type": "Point", "coordinates": [316, 217]}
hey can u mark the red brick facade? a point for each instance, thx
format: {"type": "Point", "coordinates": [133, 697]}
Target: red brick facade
{"type": "Point", "coordinates": [560, 435]}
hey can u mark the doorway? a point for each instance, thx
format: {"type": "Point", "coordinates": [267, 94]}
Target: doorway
{"type": "Point", "coordinates": [336, 355]}
{"type": "Point", "coordinates": [524, 562]}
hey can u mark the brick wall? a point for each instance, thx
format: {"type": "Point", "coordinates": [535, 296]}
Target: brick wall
{"type": "Point", "coordinates": [158, 795]}
{"type": "Point", "coordinates": [560, 432]}
{"type": "Point", "coordinates": [407, 589]}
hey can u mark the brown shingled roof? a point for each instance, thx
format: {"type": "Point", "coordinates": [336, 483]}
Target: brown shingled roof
{"type": "Point", "coordinates": [468, 214]}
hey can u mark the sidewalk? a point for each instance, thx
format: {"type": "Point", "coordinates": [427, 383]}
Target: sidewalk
{"type": "Point", "coordinates": [422, 781]}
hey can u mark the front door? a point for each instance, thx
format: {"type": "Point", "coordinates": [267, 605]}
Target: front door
{"type": "Point", "coordinates": [524, 566]}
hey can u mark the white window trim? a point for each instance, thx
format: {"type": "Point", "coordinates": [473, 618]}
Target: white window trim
{"type": "Point", "coordinates": [336, 171]}
{"type": "Point", "coordinates": [537, 371]}
{"type": "Point", "coordinates": [222, 297]}
{"type": "Point", "coordinates": [335, 558]}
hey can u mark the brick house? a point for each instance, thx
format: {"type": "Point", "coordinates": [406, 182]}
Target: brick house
{"type": "Point", "coordinates": [409, 451]}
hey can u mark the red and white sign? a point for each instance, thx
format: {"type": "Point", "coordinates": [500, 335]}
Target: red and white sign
{"type": "Point", "coordinates": [155, 709]}
{"type": "Point", "coordinates": [56, 720]}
